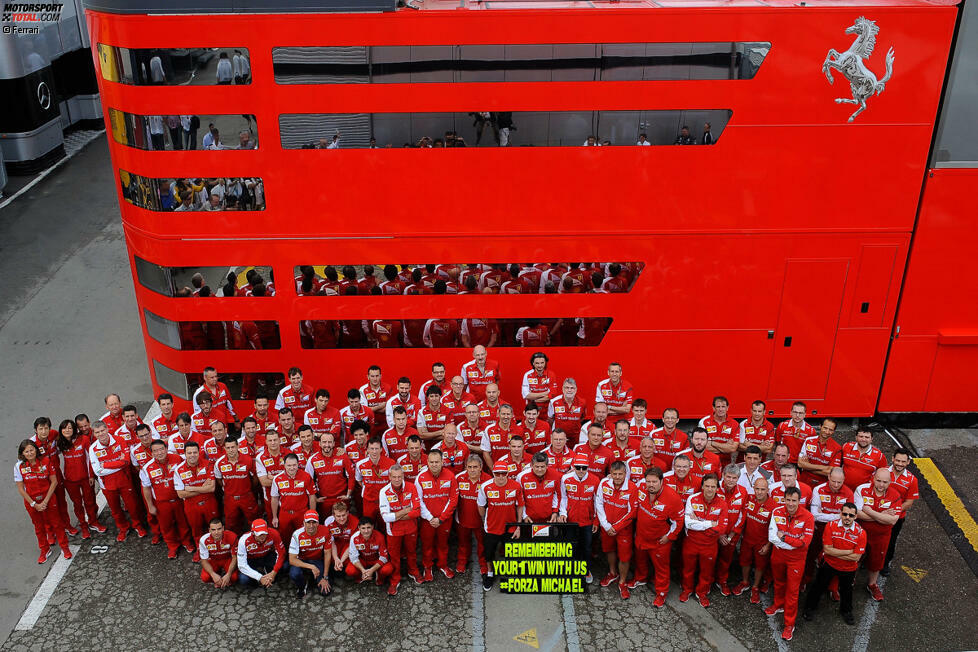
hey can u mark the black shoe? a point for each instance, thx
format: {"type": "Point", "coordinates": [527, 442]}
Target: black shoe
{"type": "Point", "coordinates": [886, 571]}
{"type": "Point", "coordinates": [847, 617]}
{"type": "Point", "coordinates": [300, 593]}
{"type": "Point", "coordinates": [486, 583]}
{"type": "Point", "coordinates": [808, 615]}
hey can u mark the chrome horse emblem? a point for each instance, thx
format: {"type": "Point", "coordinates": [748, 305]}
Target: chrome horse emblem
{"type": "Point", "coordinates": [851, 65]}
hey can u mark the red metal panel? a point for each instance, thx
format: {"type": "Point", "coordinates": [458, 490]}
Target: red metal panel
{"type": "Point", "coordinates": [805, 336]}
{"type": "Point", "coordinates": [876, 266]}
{"type": "Point", "coordinates": [939, 296]}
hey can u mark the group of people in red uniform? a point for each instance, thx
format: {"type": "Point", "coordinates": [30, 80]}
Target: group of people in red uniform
{"type": "Point", "coordinates": [319, 492]}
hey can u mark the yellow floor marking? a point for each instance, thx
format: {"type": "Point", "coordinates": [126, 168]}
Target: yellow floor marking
{"type": "Point", "coordinates": [950, 499]}
{"type": "Point", "coordinates": [916, 574]}
{"type": "Point", "coordinates": [529, 637]}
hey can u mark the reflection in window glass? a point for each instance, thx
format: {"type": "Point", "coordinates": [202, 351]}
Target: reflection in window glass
{"type": "Point", "coordinates": [170, 380]}
{"type": "Point", "coordinates": [442, 333]}
{"type": "Point", "coordinates": [245, 386]}
{"type": "Point", "coordinates": [193, 193]}
{"type": "Point", "coordinates": [235, 335]}
{"type": "Point", "coordinates": [401, 64]}
{"type": "Point", "coordinates": [217, 281]}
{"type": "Point", "coordinates": [179, 132]}
{"type": "Point", "coordinates": [175, 66]}
{"type": "Point", "coordinates": [457, 278]}
{"type": "Point", "coordinates": [501, 129]}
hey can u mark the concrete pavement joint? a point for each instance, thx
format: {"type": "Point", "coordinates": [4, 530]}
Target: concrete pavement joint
{"type": "Point", "coordinates": [861, 642]}
{"type": "Point", "coordinates": [478, 605]}
{"type": "Point", "coordinates": [571, 635]}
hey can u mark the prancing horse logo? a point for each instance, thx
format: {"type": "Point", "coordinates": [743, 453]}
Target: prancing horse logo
{"type": "Point", "coordinates": [850, 63]}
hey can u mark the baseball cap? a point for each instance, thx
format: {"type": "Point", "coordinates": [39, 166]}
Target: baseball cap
{"type": "Point", "coordinates": [581, 459]}
{"type": "Point", "coordinates": [500, 467]}
{"type": "Point", "coordinates": [259, 526]}
{"type": "Point", "coordinates": [311, 515]}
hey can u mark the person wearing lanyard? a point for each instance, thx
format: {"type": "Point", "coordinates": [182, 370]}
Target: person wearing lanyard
{"type": "Point", "coordinates": [36, 481]}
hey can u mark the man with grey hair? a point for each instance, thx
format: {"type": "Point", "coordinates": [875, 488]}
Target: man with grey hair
{"type": "Point", "coordinates": [400, 508]}
{"type": "Point", "coordinates": [567, 411]}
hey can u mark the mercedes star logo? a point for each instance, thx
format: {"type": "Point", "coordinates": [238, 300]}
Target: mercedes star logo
{"type": "Point", "coordinates": [44, 95]}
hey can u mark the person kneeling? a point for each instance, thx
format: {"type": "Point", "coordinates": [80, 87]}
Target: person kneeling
{"type": "Point", "coordinates": [309, 555]}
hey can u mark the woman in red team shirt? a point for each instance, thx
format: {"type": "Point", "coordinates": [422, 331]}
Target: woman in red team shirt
{"type": "Point", "coordinates": [79, 480]}
{"type": "Point", "coordinates": [36, 480]}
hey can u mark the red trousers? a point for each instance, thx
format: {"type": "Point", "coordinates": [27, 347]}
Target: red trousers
{"type": "Point", "coordinates": [220, 569]}
{"type": "Point", "coordinates": [704, 557]}
{"type": "Point", "coordinates": [408, 545]}
{"type": "Point", "coordinates": [47, 520]}
{"type": "Point", "coordinates": [383, 572]}
{"type": "Point", "coordinates": [465, 535]}
{"type": "Point", "coordinates": [750, 556]}
{"type": "Point", "coordinates": [239, 512]}
{"type": "Point", "coordinates": [432, 538]}
{"type": "Point", "coordinates": [116, 498]}
{"type": "Point", "coordinates": [725, 557]}
{"type": "Point", "coordinates": [199, 511]}
{"type": "Point", "coordinates": [621, 544]}
{"type": "Point", "coordinates": [814, 552]}
{"type": "Point", "coordinates": [787, 573]}
{"type": "Point", "coordinates": [288, 523]}
{"type": "Point", "coordinates": [876, 547]}
{"type": "Point", "coordinates": [59, 493]}
{"type": "Point", "coordinates": [659, 553]}
{"type": "Point", "coordinates": [173, 524]}
{"type": "Point", "coordinates": [325, 508]}
{"type": "Point", "coordinates": [83, 500]}
{"type": "Point", "coordinates": [371, 508]}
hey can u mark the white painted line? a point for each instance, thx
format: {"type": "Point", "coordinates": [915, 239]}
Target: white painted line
{"type": "Point", "coordinates": [478, 604]}
{"type": "Point", "coordinates": [861, 642]}
{"type": "Point", "coordinates": [571, 636]}
{"type": "Point", "coordinates": [44, 593]}
{"type": "Point", "coordinates": [33, 182]}
{"type": "Point", "coordinates": [773, 621]}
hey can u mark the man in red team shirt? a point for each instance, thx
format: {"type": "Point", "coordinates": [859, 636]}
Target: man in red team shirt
{"type": "Point", "coordinates": [236, 473]}
{"type": "Point", "coordinates": [437, 380]}
{"type": "Point", "coordinates": [560, 457]}
{"type": "Point", "coordinates": [539, 383]}
{"type": "Point", "coordinates": [860, 459]}
{"type": "Point", "coordinates": [262, 415]}
{"type": "Point", "coordinates": [906, 485]}
{"type": "Point", "coordinates": [757, 431]}
{"type": "Point", "coordinates": [261, 555]}
{"type": "Point", "coordinates": [251, 440]}
{"type": "Point", "coordinates": [286, 428]}
{"type": "Point", "coordinates": [639, 426]}
{"type": "Point", "coordinates": [515, 460]}
{"type": "Point", "coordinates": [374, 395]}
{"type": "Point", "coordinates": [706, 521]}
{"type": "Point", "coordinates": [736, 497]}
{"type": "Point", "coordinates": [615, 391]}
{"type": "Point", "coordinates": [113, 413]}
{"type": "Point", "coordinates": [456, 398]}
{"type": "Point", "coordinates": [305, 447]}
{"type": "Point", "coordinates": [755, 549]}
{"type": "Point", "coordinates": [471, 429]}
{"type": "Point", "coordinates": [658, 523]}
{"type": "Point", "coordinates": [489, 406]}
{"type": "Point", "coordinates": [722, 431]}
{"type": "Point", "coordinates": [368, 554]}
{"type": "Point", "coordinates": [578, 488]}
{"type": "Point", "coordinates": [567, 411]}
{"type": "Point", "coordinates": [193, 480]}
{"type": "Point", "coordinates": [110, 464]}
{"type": "Point", "coordinates": [323, 418]}
{"type": "Point", "coordinates": [293, 493]}
{"type": "Point", "coordinates": [669, 440]}
{"type": "Point", "coordinates": [789, 478]}
{"type": "Point", "coordinates": [386, 333]}
{"type": "Point", "coordinates": [703, 461]}
{"type": "Point", "coordinates": [500, 502]}
{"type": "Point", "coordinates": [790, 532]}
{"type": "Point", "coordinates": [479, 372]}
{"type": "Point", "coordinates": [372, 474]}
{"type": "Point", "coordinates": [843, 544]}
{"type": "Point", "coordinates": [438, 495]}
{"type": "Point", "coordinates": [477, 331]}
{"type": "Point", "coordinates": [879, 506]}
{"type": "Point", "coordinates": [354, 410]}
{"type": "Point", "coordinates": [536, 433]}
{"type": "Point", "coordinates": [773, 466]}
{"type": "Point", "coordinates": [598, 455]}
{"type": "Point", "coordinates": [643, 460]}
{"type": "Point", "coordinates": [495, 438]}
{"type": "Point", "coordinates": [621, 444]}
{"type": "Point", "coordinates": [468, 517]}
{"type": "Point", "coordinates": [794, 431]}
{"type": "Point", "coordinates": [826, 505]}
{"type": "Point", "coordinates": [820, 454]}
{"type": "Point", "coordinates": [454, 452]}
{"type": "Point", "coordinates": [433, 417]}
{"type": "Point", "coordinates": [615, 505]}
{"type": "Point", "coordinates": [680, 479]}
{"type": "Point", "coordinates": [217, 551]}
{"type": "Point", "coordinates": [440, 333]}
{"type": "Point", "coordinates": [342, 525]}
{"type": "Point", "coordinates": [395, 439]}
{"type": "Point", "coordinates": [333, 473]}
{"type": "Point", "coordinates": [310, 552]}
{"type": "Point", "coordinates": [222, 408]}
{"type": "Point", "coordinates": [297, 395]}
{"type": "Point", "coordinates": [400, 509]}
{"type": "Point", "coordinates": [414, 461]}
{"type": "Point", "coordinates": [165, 425]}
{"type": "Point", "coordinates": [599, 418]}
{"type": "Point", "coordinates": [404, 399]}
{"type": "Point", "coordinates": [541, 490]}
{"type": "Point", "coordinates": [162, 500]}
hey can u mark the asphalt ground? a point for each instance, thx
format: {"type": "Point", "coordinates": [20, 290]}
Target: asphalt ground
{"type": "Point", "coordinates": [69, 333]}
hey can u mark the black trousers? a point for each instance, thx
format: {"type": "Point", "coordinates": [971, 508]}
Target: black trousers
{"type": "Point", "coordinates": [894, 533]}
{"type": "Point", "coordinates": [491, 546]}
{"type": "Point", "coordinates": [822, 579]}
{"type": "Point", "coordinates": [176, 135]}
